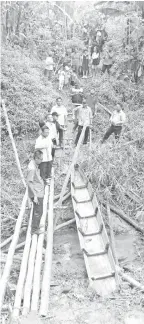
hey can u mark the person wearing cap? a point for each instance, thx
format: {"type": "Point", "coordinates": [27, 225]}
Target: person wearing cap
{"type": "Point", "coordinates": [62, 118]}
{"type": "Point", "coordinates": [44, 143]}
{"type": "Point", "coordinates": [91, 101]}
{"type": "Point", "coordinates": [117, 120]}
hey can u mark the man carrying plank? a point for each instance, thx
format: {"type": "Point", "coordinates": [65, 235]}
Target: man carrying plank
{"type": "Point", "coordinates": [36, 190]}
{"type": "Point", "coordinates": [84, 116]}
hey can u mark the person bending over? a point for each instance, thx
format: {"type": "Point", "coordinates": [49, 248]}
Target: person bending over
{"type": "Point", "coordinates": [84, 116]}
{"type": "Point", "coordinates": [117, 120]}
{"type": "Point", "coordinates": [36, 191]}
{"type": "Point", "coordinates": [44, 143]}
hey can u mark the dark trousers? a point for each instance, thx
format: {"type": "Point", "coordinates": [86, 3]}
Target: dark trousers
{"type": "Point", "coordinates": [45, 170]}
{"type": "Point", "coordinates": [60, 136]}
{"type": "Point", "coordinates": [37, 213]}
{"type": "Point", "coordinates": [53, 149]}
{"type": "Point", "coordinates": [80, 128]}
{"type": "Point", "coordinates": [112, 129]}
{"type": "Point", "coordinates": [106, 67]}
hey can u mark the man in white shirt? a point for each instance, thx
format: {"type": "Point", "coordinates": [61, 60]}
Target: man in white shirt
{"type": "Point", "coordinates": [84, 117]}
{"type": "Point", "coordinates": [44, 143]}
{"type": "Point", "coordinates": [117, 120]}
{"type": "Point", "coordinates": [62, 118]}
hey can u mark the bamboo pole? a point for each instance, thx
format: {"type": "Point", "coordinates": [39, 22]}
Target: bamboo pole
{"type": "Point", "coordinates": [13, 143]}
{"type": "Point", "coordinates": [113, 241]}
{"type": "Point", "coordinates": [70, 170]}
{"type": "Point", "coordinates": [112, 235]}
{"type": "Point", "coordinates": [130, 280]}
{"type": "Point", "coordinates": [64, 197]}
{"type": "Point", "coordinates": [45, 290]}
{"type": "Point", "coordinates": [23, 269]}
{"type": "Point", "coordinates": [7, 269]}
{"type": "Point", "coordinates": [71, 221]}
{"type": "Point", "coordinates": [38, 262]}
{"type": "Point", "coordinates": [106, 109]}
{"type": "Point", "coordinates": [29, 277]}
{"type": "Point", "coordinates": [9, 239]}
{"type": "Point", "coordinates": [127, 219]}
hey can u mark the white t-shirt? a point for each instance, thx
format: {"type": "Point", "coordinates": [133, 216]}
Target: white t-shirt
{"type": "Point", "coordinates": [118, 118]}
{"type": "Point", "coordinates": [84, 116]}
{"type": "Point", "coordinates": [62, 112]}
{"type": "Point", "coordinates": [49, 63]}
{"type": "Point", "coordinates": [45, 145]}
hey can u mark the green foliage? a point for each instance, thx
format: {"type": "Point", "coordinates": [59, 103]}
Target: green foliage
{"type": "Point", "coordinates": [28, 94]}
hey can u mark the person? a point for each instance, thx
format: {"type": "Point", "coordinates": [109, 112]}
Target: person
{"type": "Point", "coordinates": [75, 61]}
{"type": "Point", "coordinates": [36, 191]}
{"type": "Point", "coordinates": [95, 60]}
{"type": "Point", "coordinates": [84, 116]}
{"type": "Point", "coordinates": [108, 60]}
{"type": "Point", "coordinates": [67, 76]}
{"type": "Point", "coordinates": [56, 127]}
{"type": "Point", "coordinates": [62, 118]}
{"type": "Point", "coordinates": [77, 95]}
{"type": "Point", "coordinates": [91, 101]}
{"type": "Point", "coordinates": [44, 143]}
{"type": "Point", "coordinates": [117, 120]}
{"type": "Point", "coordinates": [61, 74]}
{"type": "Point", "coordinates": [41, 124]}
{"type": "Point", "coordinates": [85, 64]}
{"type": "Point", "coordinates": [49, 66]}
{"type": "Point", "coordinates": [73, 78]}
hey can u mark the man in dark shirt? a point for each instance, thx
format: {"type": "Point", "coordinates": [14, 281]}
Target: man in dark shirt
{"type": "Point", "coordinates": [36, 191]}
{"type": "Point", "coordinates": [77, 95]}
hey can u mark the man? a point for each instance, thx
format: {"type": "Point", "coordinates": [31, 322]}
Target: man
{"type": "Point", "coordinates": [44, 143]}
{"type": "Point", "coordinates": [55, 128]}
{"type": "Point", "coordinates": [36, 191]}
{"type": "Point", "coordinates": [117, 120]}
{"type": "Point", "coordinates": [108, 60]}
{"type": "Point", "coordinates": [77, 95]}
{"type": "Point", "coordinates": [62, 118]}
{"type": "Point", "coordinates": [84, 115]}
{"type": "Point", "coordinates": [49, 66]}
{"type": "Point", "coordinates": [91, 101]}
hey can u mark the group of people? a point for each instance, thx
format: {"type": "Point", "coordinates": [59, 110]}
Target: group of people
{"type": "Point", "coordinates": [51, 135]}
{"type": "Point", "coordinates": [78, 64]}
{"type": "Point", "coordinates": [39, 169]}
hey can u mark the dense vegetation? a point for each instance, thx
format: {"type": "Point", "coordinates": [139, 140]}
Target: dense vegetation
{"type": "Point", "coordinates": [29, 31]}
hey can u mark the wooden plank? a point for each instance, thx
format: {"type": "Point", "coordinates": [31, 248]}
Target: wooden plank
{"type": "Point", "coordinates": [38, 261]}
{"type": "Point", "coordinates": [7, 268]}
{"type": "Point", "coordinates": [23, 269]}
{"type": "Point", "coordinates": [45, 290]}
{"type": "Point", "coordinates": [70, 170]}
{"type": "Point", "coordinates": [29, 277]}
